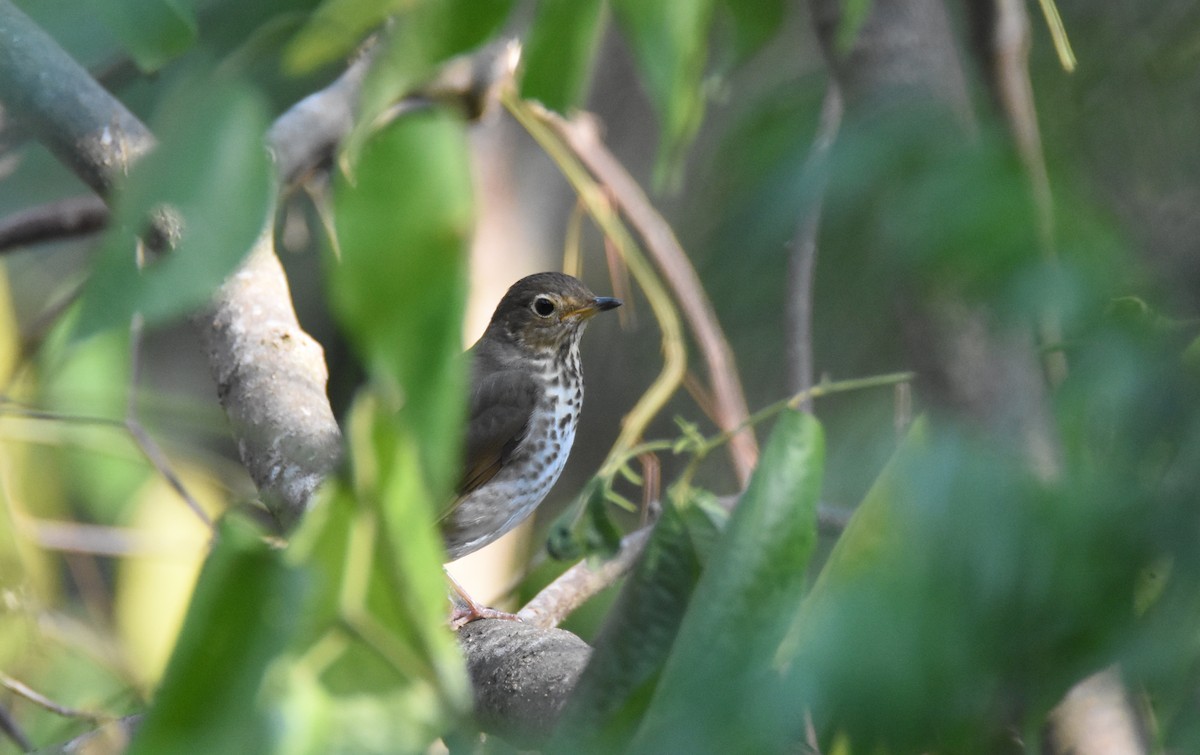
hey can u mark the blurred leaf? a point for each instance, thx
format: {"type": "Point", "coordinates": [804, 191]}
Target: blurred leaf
{"type": "Point", "coordinates": [719, 688]}
{"type": "Point", "coordinates": [381, 667]}
{"type": "Point", "coordinates": [755, 22]}
{"type": "Point", "coordinates": [611, 696]}
{"type": "Point", "coordinates": [419, 40]}
{"type": "Point", "coordinates": [337, 28]}
{"type": "Point", "coordinates": [854, 15]}
{"type": "Point", "coordinates": [962, 581]}
{"type": "Point", "coordinates": [245, 603]}
{"type": "Point", "coordinates": [559, 52]}
{"type": "Point", "coordinates": [386, 673]}
{"type": "Point", "coordinates": [670, 45]}
{"type": "Point", "coordinates": [399, 289]}
{"type": "Point", "coordinates": [154, 32]}
{"type": "Point", "coordinates": [102, 468]}
{"type": "Point", "coordinates": [211, 167]}
{"type": "Point", "coordinates": [152, 590]}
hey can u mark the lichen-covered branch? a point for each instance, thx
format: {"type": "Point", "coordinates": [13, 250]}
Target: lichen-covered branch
{"type": "Point", "coordinates": [271, 378]}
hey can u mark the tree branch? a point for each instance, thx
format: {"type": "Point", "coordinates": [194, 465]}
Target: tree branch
{"type": "Point", "coordinates": [271, 378]}
{"type": "Point", "coordinates": [904, 57]}
{"type": "Point", "coordinates": [54, 221]}
{"type": "Point", "coordinates": [803, 260]}
{"type": "Point", "coordinates": [521, 676]}
{"type": "Point", "coordinates": [56, 98]}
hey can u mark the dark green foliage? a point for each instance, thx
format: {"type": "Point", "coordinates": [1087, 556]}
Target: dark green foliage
{"type": "Point", "coordinates": [719, 687]}
{"type": "Point", "coordinates": [606, 707]}
{"type": "Point", "coordinates": [559, 52]}
{"type": "Point", "coordinates": [240, 619]}
{"type": "Point", "coordinates": [211, 169]}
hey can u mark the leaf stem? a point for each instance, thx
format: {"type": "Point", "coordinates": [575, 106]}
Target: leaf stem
{"type": "Point", "coordinates": [607, 219]}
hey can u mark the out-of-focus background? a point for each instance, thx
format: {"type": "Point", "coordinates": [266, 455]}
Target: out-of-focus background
{"type": "Point", "coordinates": [105, 550]}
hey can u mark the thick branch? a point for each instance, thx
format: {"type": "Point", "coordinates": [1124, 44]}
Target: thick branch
{"type": "Point", "coordinates": [1096, 718]}
{"type": "Point", "coordinates": [271, 379]}
{"type": "Point", "coordinates": [521, 676]}
{"type": "Point", "coordinates": [904, 56]}
{"type": "Point", "coordinates": [56, 98]}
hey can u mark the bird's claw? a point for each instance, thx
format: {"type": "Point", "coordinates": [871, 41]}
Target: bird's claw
{"type": "Point", "coordinates": [463, 615]}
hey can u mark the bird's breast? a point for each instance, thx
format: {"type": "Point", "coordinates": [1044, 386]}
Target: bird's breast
{"type": "Point", "coordinates": [511, 496]}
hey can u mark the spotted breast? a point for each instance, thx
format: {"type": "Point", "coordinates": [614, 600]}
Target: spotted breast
{"type": "Point", "coordinates": [526, 396]}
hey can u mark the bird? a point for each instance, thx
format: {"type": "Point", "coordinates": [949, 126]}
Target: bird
{"type": "Point", "coordinates": [526, 393]}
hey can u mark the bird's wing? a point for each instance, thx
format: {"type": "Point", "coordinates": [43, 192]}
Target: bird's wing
{"type": "Point", "coordinates": [501, 405]}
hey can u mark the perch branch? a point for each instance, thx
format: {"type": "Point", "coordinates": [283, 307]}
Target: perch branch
{"type": "Point", "coordinates": [521, 676]}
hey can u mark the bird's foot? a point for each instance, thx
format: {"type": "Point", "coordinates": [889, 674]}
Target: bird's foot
{"type": "Point", "coordinates": [467, 610]}
{"type": "Point", "coordinates": [465, 614]}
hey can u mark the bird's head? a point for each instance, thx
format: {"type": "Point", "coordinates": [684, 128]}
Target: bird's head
{"type": "Point", "coordinates": [546, 310]}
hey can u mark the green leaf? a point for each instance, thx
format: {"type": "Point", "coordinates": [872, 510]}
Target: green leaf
{"type": "Point", "coordinates": [615, 688]}
{"type": "Point", "coordinates": [154, 32]}
{"type": "Point", "coordinates": [963, 578]}
{"type": "Point", "coordinates": [670, 45]}
{"type": "Point", "coordinates": [426, 35]}
{"type": "Point", "coordinates": [854, 15]}
{"type": "Point", "coordinates": [375, 663]}
{"type": "Point", "coordinates": [755, 22]}
{"type": "Point", "coordinates": [380, 661]}
{"type": "Point", "coordinates": [399, 287]}
{"type": "Point", "coordinates": [716, 687]}
{"type": "Point", "coordinates": [212, 169]}
{"type": "Point", "coordinates": [431, 30]}
{"type": "Point", "coordinates": [559, 51]}
{"type": "Point", "coordinates": [239, 620]}
{"type": "Point", "coordinates": [335, 29]}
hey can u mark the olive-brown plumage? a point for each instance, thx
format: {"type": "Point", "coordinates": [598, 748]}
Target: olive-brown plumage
{"type": "Point", "coordinates": [526, 395]}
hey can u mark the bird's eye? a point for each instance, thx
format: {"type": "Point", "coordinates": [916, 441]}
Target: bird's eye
{"type": "Point", "coordinates": [543, 307]}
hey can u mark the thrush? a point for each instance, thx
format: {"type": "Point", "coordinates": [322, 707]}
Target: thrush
{"type": "Point", "coordinates": [526, 395]}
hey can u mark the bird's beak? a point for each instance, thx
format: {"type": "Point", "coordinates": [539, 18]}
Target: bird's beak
{"type": "Point", "coordinates": [594, 307]}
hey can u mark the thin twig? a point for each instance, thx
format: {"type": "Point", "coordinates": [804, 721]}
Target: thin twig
{"type": "Point", "coordinates": [802, 264]}
{"type": "Point", "coordinates": [1058, 32]}
{"type": "Point", "coordinates": [582, 136]}
{"type": "Point", "coordinates": [142, 439]}
{"type": "Point", "coordinates": [55, 221]}
{"type": "Point", "coordinates": [100, 540]}
{"type": "Point", "coordinates": [17, 688]}
{"type": "Point", "coordinates": [1010, 47]}
{"type": "Point", "coordinates": [700, 394]}
{"type": "Point", "coordinates": [576, 585]}
{"type": "Point", "coordinates": [794, 401]}
{"type": "Point", "coordinates": [13, 731]}
{"type": "Point", "coordinates": [581, 582]}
